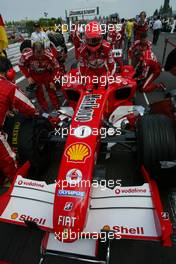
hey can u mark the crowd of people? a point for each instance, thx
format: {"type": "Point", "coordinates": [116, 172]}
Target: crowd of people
{"type": "Point", "coordinates": [41, 62]}
{"type": "Point", "coordinates": [167, 24]}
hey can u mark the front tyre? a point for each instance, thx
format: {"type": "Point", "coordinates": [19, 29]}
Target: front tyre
{"type": "Point", "coordinates": [156, 140]}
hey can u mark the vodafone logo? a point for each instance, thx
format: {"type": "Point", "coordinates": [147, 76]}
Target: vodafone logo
{"type": "Point", "coordinates": [132, 190]}
{"type": "Point", "coordinates": [74, 176]}
{"type": "Point", "coordinates": [30, 184]}
{"type": "Point", "coordinates": [117, 191]}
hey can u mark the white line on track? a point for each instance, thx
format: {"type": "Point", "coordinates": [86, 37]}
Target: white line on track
{"type": "Point", "coordinates": [146, 99]}
{"type": "Point", "coordinates": [20, 79]}
{"type": "Point", "coordinates": [71, 48]}
{"type": "Point", "coordinates": [16, 68]}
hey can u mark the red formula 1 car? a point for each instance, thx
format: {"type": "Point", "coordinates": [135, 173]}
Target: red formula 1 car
{"type": "Point", "coordinates": [76, 210]}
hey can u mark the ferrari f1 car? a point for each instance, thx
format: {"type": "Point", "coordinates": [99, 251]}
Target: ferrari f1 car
{"type": "Point", "coordinates": [80, 209]}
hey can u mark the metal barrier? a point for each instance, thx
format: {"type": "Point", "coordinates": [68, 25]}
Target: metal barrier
{"type": "Point", "coordinates": [13, 53]}
{"type": "Point", "coordinates": [66, 36]}
{"type": "Point", "coordinates": [167, 41]}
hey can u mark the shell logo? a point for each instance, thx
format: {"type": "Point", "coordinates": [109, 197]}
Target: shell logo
{"type": "Point", "coordinates": [14, 216]}
{"type": "Point", "coordinates": [106, 228]}
{"type": "Point", "coordinates": [77, 152]}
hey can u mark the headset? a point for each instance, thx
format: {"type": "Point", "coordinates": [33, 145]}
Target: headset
{"type": "Point", "coordinates": [7, 69]}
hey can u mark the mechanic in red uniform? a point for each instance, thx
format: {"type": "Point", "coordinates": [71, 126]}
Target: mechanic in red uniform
{"type": "Point", "coordinates": [115, 35]}
{"type": "Point", "coordinates": [141, 26]}
{"type": "Point", "coordinates": [41, 67]}
{"type": "Point", "coordinates": [137, 48]}
{"type": "Point", "coordinates": [145, 62]}
{"type": "Point", "coordinates": [151, 71]}
{"type": "Point", "coordinates": [122, 32]}
{"type": "Point", "coordinates": [11, 98]}
{"type": "Point", "coordinates": [95, 56]}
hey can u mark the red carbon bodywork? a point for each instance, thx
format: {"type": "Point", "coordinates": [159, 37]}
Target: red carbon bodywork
{"type": "Point", "coordinates": [80, 153]}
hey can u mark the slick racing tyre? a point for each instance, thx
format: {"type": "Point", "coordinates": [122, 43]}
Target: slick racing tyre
{"type": "Point", "coordinates": [53, 39]}
{"type": "Point", "coordinates": [57, 39]}
{"type": "Point", "coordinates": [156, 140]}
{"type": "Point", "coordinates": [26, 137]}
{"type": "Point", "coordinates": [25, 44]}
{"type": "Point", "coordinates": [60, 39]}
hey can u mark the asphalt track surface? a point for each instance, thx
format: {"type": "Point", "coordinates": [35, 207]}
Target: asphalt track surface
{"type": "Point", "coordinates": [20, 245]}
